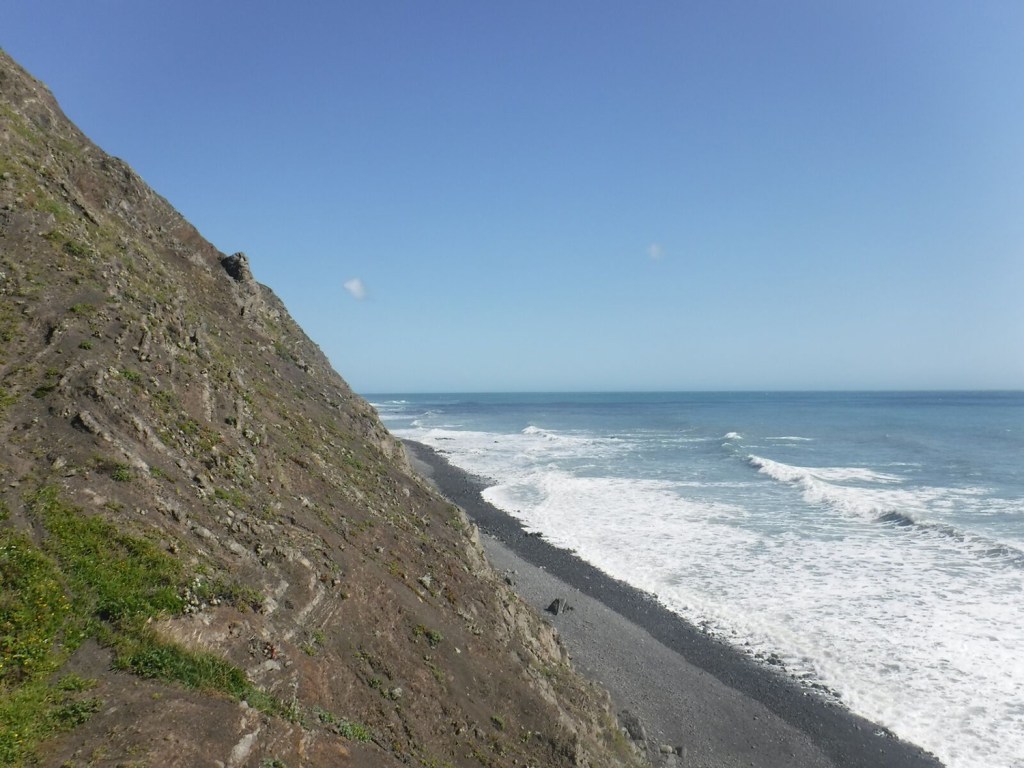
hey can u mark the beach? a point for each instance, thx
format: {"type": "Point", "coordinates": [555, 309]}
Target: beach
{"type": "Point", "coordinates": [688, 698]}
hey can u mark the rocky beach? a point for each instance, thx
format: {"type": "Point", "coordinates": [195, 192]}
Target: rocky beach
{"type": "Point", "coordinates": [686, 698]}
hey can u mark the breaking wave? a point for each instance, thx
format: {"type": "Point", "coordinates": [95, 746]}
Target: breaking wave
{"type": "Point", "coordinates": [900, 508]}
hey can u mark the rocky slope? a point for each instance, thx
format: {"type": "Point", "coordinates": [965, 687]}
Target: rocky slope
{"type": "Point", "coordinates": [211, 551]}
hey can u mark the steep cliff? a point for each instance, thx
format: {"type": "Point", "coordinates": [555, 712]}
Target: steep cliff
{"type": "Point", "coordinates": [211, 551]}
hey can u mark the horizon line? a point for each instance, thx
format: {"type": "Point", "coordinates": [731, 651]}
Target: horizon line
{"type": "Point", "coordinates": [992, 390]}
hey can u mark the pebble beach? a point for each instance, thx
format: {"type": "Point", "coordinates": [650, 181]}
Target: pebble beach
{"type": "Point", "coordinates": [686, 698]}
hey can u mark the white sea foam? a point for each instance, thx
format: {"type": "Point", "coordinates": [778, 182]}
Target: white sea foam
{"type": "Point", "coordinates": [916, 628]}
{"type": "Point", "coordinates": [495, 454]}
{"type": "Point", "coordinates": [846, 599]}
{"type": "Point", "coordinates": [732, 436]}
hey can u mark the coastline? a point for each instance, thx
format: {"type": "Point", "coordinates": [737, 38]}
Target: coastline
{"type": "Point", "coordinates": [715, 706]}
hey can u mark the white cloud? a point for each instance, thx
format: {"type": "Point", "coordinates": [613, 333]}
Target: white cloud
{"type": "Point", "coordinates": [356, 288]}
{"type": "Point", "coordinates": [655, 251]}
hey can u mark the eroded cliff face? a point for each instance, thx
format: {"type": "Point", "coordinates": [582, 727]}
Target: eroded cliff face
{"type": "Point", "coordinates": [211, 551]}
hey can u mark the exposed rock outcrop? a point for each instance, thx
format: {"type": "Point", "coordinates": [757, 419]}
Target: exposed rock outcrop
{"type": "Point", "coordinates": [238, 566]}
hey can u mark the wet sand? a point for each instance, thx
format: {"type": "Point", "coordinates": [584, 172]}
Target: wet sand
{"type": "Point", "coordinates": [715, 706]}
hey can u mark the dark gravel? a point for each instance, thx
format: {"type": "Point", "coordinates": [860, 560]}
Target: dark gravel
{"type": "Point", "coordinates": [689, 690]}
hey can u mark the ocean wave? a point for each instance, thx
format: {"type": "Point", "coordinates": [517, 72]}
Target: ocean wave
{"type": "Point", "coordinates": [732, 436]}
{"type": "Point", "coordinates": [389, 404]}
{"type": "Point", "coordinates": [791, 439]}
{"type": "Point", "coordinates": [430, 435]}
{"type": "Point", "coordinates": [548, 434]}
{"type": "Point", "coordinates": [980, 546]}
{"type": "Point", "coordinates": [810, 476]}
{"type": "Point", "coordinates": [855, 475]}
{"type": "Point", "coordinates": [568, 441]}
{"type": "Point", "coordinates": [899, 508]}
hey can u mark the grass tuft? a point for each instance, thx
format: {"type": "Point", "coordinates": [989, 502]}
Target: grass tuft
{"type": "Point", "coordinates": [345, 728]}
{"type": "Point", "coordinates": [147, 656]}
{"type": "Point", "coordinates": [433, 637]}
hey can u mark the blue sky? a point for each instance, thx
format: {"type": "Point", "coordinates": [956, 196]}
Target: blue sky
{"type": "Point", "coordinates": [473, 196]}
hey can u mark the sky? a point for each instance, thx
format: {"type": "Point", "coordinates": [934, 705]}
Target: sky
{"type": "Point", "coordinates": [581, 196]}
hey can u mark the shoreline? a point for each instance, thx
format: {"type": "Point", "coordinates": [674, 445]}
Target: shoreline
{"type": "Point", "coordinates": [716, 706]}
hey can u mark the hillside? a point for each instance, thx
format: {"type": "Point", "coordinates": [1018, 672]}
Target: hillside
{"type": "Point", "coordinates": [211, 551]}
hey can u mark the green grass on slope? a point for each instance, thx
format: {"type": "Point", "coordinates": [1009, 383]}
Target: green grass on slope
{"type": "Point", "coordinates": [87, 579]}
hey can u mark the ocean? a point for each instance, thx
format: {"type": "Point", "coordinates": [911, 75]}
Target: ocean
{"type": "Point", "coordinates": [873, 542]}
